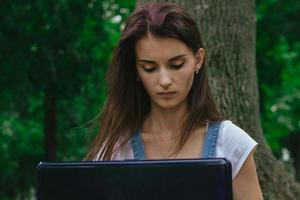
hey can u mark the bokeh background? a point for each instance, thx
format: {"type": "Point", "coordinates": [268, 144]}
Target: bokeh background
{"type": "Point", "coordinates": [53, 60]}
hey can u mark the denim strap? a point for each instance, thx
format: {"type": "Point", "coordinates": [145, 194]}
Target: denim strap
{"type": "Point", "coordinates": [208, 149]}
{"type": "Point", "coordinates": [137, 146]}
{"type": "Point", "coordinates": [210, 141]}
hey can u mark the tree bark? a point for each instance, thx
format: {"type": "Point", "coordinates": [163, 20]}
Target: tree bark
{"type": "Point", "coordinates": [228, 30]}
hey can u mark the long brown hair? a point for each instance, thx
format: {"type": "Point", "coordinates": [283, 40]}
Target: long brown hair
{"type": "Point", "coordinates": [128, 104]}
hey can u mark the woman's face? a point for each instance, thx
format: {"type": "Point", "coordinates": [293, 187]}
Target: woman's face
{"type": "Point", "coordinates": [166, 67]}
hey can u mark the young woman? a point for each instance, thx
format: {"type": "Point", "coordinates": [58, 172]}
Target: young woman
{"type": "Point", "coordinates": [159, 104]}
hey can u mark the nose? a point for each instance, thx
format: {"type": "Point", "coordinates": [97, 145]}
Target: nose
{"type": "Point", "coordinates": [165, 79]}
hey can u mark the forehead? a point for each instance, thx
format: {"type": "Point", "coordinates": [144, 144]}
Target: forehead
{"type": "Point", "coordinates": [156, 48]}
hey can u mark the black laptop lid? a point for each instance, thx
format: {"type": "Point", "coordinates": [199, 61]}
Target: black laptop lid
{"type": "Point", "coordinates": [208, 179]}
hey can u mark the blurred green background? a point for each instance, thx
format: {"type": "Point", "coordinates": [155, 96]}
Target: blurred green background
{"type": "Point", "coordinates": [53, 59]}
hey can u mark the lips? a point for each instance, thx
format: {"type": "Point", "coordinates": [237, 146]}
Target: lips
{"type": "Point", "coordinates": [166, 94]}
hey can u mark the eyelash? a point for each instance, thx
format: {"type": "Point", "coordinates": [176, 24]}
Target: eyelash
{"type": "Point", "coordinates": [177, 66]}
{"type": "Point", "coordinates": [149, 70]}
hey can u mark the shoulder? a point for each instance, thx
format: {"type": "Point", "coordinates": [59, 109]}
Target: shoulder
{"type": "Point", "coordinates": [235, 144]}
{"type": "Point", "coordinates": [229, 133]}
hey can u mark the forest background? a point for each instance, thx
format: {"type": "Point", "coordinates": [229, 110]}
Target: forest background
{"type": "Point", "coordinates": [53, 60]}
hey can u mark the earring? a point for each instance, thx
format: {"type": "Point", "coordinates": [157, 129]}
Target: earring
{"type": "Point", "coordinates": [138, 78]}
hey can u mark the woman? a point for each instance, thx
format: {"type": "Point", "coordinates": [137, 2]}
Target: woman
{"type": "Point", "coordinates": [159, 104]}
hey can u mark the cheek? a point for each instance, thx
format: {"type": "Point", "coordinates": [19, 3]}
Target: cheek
{"type": "Point", "coordinates": [187, 80]}
{"type": "Point", "coordinates": [143, 79]}
{"type": "Point", "coordinates": [147, 83]}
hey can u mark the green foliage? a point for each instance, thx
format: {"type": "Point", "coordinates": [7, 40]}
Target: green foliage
{"type": "Point", "coordinates": [63, 48]}
{"type": "Point", "coordinates": [278, 62]}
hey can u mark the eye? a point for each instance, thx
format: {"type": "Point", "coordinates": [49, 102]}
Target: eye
{"type": "Point", "coordinates": [177, 66]}
{"type": "Point", "coordinates": [148, 69]}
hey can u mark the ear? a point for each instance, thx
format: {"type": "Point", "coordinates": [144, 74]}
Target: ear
{"type": "Point", "coordinates": [199, 59]}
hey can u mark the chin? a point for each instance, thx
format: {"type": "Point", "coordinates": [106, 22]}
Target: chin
{"type": "Point", "coordinates": [168, 104]}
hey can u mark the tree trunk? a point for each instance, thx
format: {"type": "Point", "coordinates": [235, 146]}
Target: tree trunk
{"type": "Point", "coordinates": [49, 125]}
{"type": "Point", "coordinates": [228, 32]}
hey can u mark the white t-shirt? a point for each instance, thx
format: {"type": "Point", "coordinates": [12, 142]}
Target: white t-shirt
{"type": "Point", "coordinates": [233, 143]}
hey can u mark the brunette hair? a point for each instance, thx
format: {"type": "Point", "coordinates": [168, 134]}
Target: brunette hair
{"type": "Point", "coordinates": [127, 103]}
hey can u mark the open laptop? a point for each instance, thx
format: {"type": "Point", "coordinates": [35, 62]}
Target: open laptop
{"type": "Point", "coordinates": [208, 179]}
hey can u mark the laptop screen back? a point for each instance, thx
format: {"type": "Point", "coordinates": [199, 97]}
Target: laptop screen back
{"type": "Point", "coordinates": [135, 180]}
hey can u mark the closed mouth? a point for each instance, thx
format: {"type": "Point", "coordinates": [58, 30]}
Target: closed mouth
{"type": "Point", "coordinates": [166, 93]}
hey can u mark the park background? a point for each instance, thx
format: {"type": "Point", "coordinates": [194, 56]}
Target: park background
{"type": "Point", "coordinates": [53, 60]}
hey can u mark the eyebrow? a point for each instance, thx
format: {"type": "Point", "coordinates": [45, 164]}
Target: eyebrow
{"type": "Point", "coordinates": [171, 59]}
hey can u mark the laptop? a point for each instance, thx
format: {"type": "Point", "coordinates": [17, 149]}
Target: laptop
{"type": "Point", "coordinates": [183, 179]}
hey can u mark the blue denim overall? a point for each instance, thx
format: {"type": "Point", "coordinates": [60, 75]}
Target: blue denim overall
{"type": "Point", "coordinates": [208, 150]}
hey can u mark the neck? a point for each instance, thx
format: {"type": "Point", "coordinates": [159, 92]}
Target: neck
{"type": "Point", "coordinates": [165, 122]}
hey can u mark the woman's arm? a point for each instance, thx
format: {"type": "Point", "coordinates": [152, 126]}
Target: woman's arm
{"type": "Point", "coordinates": [245, 184]}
